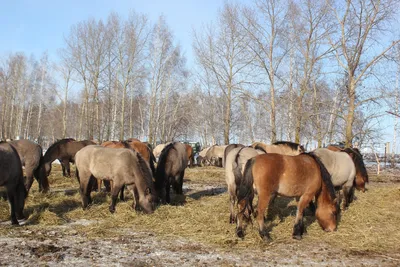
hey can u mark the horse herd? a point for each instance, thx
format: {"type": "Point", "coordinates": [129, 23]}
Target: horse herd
{"type": "Point", "coordinates": [283, 169]}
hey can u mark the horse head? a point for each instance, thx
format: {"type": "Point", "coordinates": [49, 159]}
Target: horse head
{"type": "Point", "coordinates": [148, 201]}
{"type": "Point", "coordinates": [327, 215]}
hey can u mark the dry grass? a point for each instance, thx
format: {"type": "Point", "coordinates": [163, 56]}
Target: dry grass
{"type": "Point", "coordinates": [370, 224]}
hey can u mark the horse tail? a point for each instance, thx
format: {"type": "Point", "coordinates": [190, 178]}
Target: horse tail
{"type": "Point", "coordinates": [260, 148]}
{"type": "Point", "coordinates": [325, 175]}
{"type": "Point", "coordinates": [237, 172]}
{"type": "Point", "coordinates": [162, 160]}
{"type": "Point", "coordinates": [245, 190]}
{"type": "Point", "coordinates": [152, 160]}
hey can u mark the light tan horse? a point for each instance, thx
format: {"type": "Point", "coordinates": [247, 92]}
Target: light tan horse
{"type": "Point", "coordinates": [215, 155]}
{"type": "Point", "coordinates": [120, 165]}
{"type": "Point", "coordinates": [157, 150]}
{"type": "Point", "coordinates": [281, 147]}
{"type": "Point", "coordinates": [301, 176]}
{"type": "Point", "coordinates": [234, 166]}
{"type": "Point", "coordinates": [201, 159]}
{"type": "Point", "coordinates": [342, 170]}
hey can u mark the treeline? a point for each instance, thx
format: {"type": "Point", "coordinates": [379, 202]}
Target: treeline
{"type": "Point", "coordinates": [304, 71]}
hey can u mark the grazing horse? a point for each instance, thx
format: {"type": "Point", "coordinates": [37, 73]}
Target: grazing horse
{"type": "Point", "coordinates": [281, 147]}
{"type": "Point", "coordinates": [201, 159]}
{"type": "Point", "coordinates": [171, 170]}
{"type": "Point", "coordinates": [215, 155]}
{"type": "Point", "coordinates": [31, 156]}
{"type": "Point", "coordinates": [342, 170]}
{"type": "Point", "coordinates": [190, 155]}
{"type": "Point", "coordinates": [234, 165]}
{"type": "Point", "coordinates": [64, 150]}
{"type": "Point", "coordinates": [301, 176]}
{"type": "Point", "coordinates": [361, 171]}
{"type": "Point", "coordinates": [120, 165]}
{"type": "Point", "coordinates": [11, 176]}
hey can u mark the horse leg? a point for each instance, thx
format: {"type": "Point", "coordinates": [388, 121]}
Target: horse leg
{"type": "Point", "coordinates": [29, 181]}
{"type": "Point", "coordinates": [263, 202]}
{"type": "Point", "coordinates": [11, 195]}
{"type": "Point", "coordinates": [121, 193]}
{"type": "Point", "coordinates": [99, 181]}
{"type": "Point", "coordinates": [135, 193]}
{"type": "Point", "coordinates": [65, 167]}
{"type": "Point", "coordinates": [232, 198]}
{"type": "Point", "coordinates": [298, 229]}
{"type": "Point", "coordinates": [68, 169]}
{"type": "Point", "coordinates": [114, 195]}
{"type": "Point", "coordinates": [86, 183]}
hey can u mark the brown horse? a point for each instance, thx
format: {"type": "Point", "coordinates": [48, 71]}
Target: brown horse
{"type": "Point", "coordinates": [120, 165]}
{"type": "Point", "coordinates": [361, 171]}
{"type": "Point", "coordinates": [280, 147]}
{"type": "Point", "coordinates": [11, 176]}
{"type": "Point", "coordinates": [171, 170]}
{"type": "Point", "coordinates": [31, 156]}
{"type": "Point", "coordinates": [63, 150]}
{"type": "Point", "coordinates": [301, 176]}
{"type": "Point", "coordinates": [190, 155]}
{"type": "Point", "coordinates": [145, 152]}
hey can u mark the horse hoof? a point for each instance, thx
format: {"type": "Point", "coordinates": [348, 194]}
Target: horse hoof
{"type": "Point", "coordinates": [297, 237]}
{"type": "Point", "coordinates": [15, 223]}
{"type": "Point", "coordinates": [232, 220]}
{"type": "Point", "coordinates": [266, 238]}
{"type": "Point", "coordinates": [240, 233]}
{"type": "Point", "coordinates": [112, 210]}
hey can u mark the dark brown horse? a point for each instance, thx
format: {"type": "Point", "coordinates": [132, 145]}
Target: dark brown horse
{"type": "Point", "coordinates": [63, 150]}
{"type": "Point", "coordinates": [120, 165]}
{"type": "Point", "coordinates": [31, 156]}
{"type": "Point", "coordinates": [11, 177]}
{"type": "Point", "coordinates": [171, 170]}
{"type": "Point", "coordinates": [361, 170]}
{"type": "Point", "coordinates": [301, 176]}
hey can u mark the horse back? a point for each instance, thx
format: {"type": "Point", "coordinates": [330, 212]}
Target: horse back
{"type": "Point", "coordinates": [287, 175]}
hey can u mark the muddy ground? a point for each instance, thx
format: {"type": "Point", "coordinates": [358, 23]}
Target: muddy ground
{"type": "Point", "coordinates": [40, 243]}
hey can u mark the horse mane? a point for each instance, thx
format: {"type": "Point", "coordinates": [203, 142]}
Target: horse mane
{"type": "Point", "coordinates": [245, 190]}
{"type": "Point", "coordinates": [144, 170]}
{"type": "Point", "coordinates": [325, 175]}
{"type": "Point", "coordinates": [126, 144]}
{"type": "Point", "coordinates": [292, 145]}
{"type": "Point", "coordinates": [358, 160]}
{"type": "Point", "coordinates": [160, 172]}
{"type": "Point", "coordinates": [260, 148]}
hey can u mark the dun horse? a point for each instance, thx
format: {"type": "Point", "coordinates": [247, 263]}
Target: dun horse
{"type": "Point", "coordinates": [121, 166]}
{"type": "Point", "coordinates": [64, 150]}
{"type": "Point", "coordinates": [171, 170]}
{"type": "Point", "coordinates": [11, 177]}
{"type": "Point", "coordinates": [235, 162]}
{"type": "Point", "coordinates": [281, 147]}
{"type": "Point", "coordinates": [301, 176]}
{"type": "Point", "coordinates": [215, 155]}
{"type": "Point", "coordinates": [31, 156]}
{"type": "Point", "coordinates": [361, 171]}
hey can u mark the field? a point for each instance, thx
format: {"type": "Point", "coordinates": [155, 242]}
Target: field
{"type": "Point", "coordinates": [194, 231]}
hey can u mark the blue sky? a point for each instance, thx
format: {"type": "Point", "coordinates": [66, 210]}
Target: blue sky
{"type": "Point", "coordinates": [37, 26]}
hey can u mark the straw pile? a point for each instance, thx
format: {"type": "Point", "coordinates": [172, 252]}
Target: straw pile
{"type": "Point", "coordinates": [369, 225]}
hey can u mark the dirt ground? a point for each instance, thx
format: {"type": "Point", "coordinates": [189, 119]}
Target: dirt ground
{"type": "Point", "coordinates": [65, 235]}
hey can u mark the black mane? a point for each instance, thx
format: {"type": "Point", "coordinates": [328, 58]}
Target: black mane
{"type": "Point", "coordinates": [160, 172]}
{"type": "Point", "coordinates": [358, 161]}
{"type": "Point", "coordinates": [59, 142]}
{"type": "Point", "coordinates": [292, 145]}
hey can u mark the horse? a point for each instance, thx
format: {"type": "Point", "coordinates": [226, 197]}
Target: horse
{"type": "Point", "coordinates": [227, 150]}
{"type": "Point", "coordinates": [145, 152]}
{"type": "Point", "coordinates": [63, 150]}
{"type": "Point", "coordinates": [361, 171]}
{"type": "Point", "coordinates": [190, 155]}
{"type": "Point", "coordinates": [120, 165]}
{"type": "Point", "coordinates": [158, 149]}
{"type": "Point", "coordinates": [11, 176]}
{"type": "Point", "coordinates": [31, 156]}
{"type": "Point", "coordinates": [234, 163]}
{"type": "Point", "coordinates": [171, 170]}
{"type": "Point", "coordinates": [215, 155]}
{"type": "Point", "coordinates": [303, 176]}
{"type": "Point", "coordinates": [281, 147]}
{"type": "Point", "coordinates": [342, 170]}
{"type": "Point", "coordinates": [201, 159]}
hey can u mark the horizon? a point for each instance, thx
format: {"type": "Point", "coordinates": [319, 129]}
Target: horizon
{"type": "Point", "coordinates": [36, 27]}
